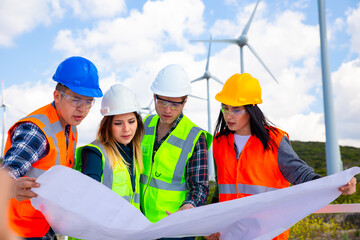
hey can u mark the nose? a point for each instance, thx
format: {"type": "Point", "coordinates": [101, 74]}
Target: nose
{"type": "Point", "coordinates": [167, 109]}
{"type": "Point", "coordinates": [126, 127]}
{"type": "Point", "coordinates": [228, 115]}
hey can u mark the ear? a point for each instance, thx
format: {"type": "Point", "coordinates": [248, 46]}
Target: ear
{"type": "Point", "coordinates": [57, 96]}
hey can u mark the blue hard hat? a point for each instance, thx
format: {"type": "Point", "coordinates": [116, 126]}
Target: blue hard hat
{"type": "Point", "coordinates": [79, 75]}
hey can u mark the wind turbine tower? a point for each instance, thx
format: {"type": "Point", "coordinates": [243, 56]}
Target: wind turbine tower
{"type": "Point", "coordinates": [206, 76]}
{"type": "Point", "coordinates": [333, 157]}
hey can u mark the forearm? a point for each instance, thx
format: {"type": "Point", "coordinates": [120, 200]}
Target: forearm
{"type": "Point", "coordinates": [197, 175]}
{"type": "Point", "coordinates": [197, 195]}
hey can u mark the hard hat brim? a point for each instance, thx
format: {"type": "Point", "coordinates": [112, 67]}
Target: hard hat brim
{"type": "Point", "coordinates": [118, 112]}
{"type": "Point", "coordinates": [231, 102]}
{"type": "Point", "coordinates": [170, 94]}
{"type": "Point", "coordinates": [87, 92]}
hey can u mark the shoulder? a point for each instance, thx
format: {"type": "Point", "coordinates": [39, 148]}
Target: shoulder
{"type": "Point", "coordinates": [91, 149]}
{"type": "Point", "coordinates": [27, 128]}
{"type": "Point", "coordinates": [221, 138]}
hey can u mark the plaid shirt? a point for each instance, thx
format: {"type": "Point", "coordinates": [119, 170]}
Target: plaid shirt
{"type": "Point", "coordinates": [28, 145]}
{"type": "Point", "coordinates": [197, 176]}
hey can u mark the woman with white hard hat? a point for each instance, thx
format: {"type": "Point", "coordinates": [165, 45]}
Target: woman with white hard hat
{"type": "Point", "coordinates": [252, 156]}
{"type": "Point", "coordinates": [115, 157]}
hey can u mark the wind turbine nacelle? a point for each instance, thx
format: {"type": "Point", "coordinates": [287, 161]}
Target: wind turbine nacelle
{"type": "Point", "coordinates": [242, 41]}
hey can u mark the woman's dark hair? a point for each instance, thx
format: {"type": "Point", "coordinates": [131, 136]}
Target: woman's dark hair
{"type": "Point", "coordinates": [259, 126]}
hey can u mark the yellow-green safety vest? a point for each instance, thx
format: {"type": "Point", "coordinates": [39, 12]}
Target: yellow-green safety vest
{"type": "Point", "coordinates": [117, 179]}
{"type": "Point", "coordinates": [163, 183]}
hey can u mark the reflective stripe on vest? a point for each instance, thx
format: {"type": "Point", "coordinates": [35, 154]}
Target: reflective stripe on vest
{"type": "Point", "coordinates": [164, 175]}
{"type": "Point", "coordinates": [243, 188]}
{"type": "Point", "coordinates": [186, 147]}
{"type": "Point", "coordinates": [136, 198]}
{"type": "Point", "coordinates": [107, 177]}
{"type": "Point", "coordinates": [50, 130]}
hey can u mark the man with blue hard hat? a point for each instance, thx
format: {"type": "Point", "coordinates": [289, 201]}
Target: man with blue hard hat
{"type": "Point", "coordinates": [47, 137]}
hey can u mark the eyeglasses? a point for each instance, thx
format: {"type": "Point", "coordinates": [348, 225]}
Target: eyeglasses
{"type": "Point", "coordinates": [233, 112]}
{"type": "Point", "coordinates": [77, 102]}
{"type": "Point", "coordinates": [164, 103]}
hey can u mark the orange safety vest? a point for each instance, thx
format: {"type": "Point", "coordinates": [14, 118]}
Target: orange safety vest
{"type": "Point", "coordinates": [256, 170]}
{"type": "Point", "coordinates": [24, 219]}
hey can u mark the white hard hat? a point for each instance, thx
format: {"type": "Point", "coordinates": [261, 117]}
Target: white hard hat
{"type": "Point", "coordinates": [118, 100]}
{"type": "Point", "coordinates": [171, 81]}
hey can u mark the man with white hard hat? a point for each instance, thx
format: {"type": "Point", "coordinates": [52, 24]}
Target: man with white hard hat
{"type": "Point", "coordinates": [175, 159]}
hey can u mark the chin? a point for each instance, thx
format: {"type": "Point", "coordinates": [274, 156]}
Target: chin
{"type": "Point", "coordinates": [75, 123]}
{"type": "Point", "coordinates": [168, 121]}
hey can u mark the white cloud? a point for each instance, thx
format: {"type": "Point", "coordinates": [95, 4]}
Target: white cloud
{"type": "Point", "coordinates": [63, 40]}
{"type": "Point", "coordinates": [18, 17]}
{"type": "Point", "coordinates": [347, 99]}
{"type": "Point", "coordinates": [353, 21]}
{"type": "Point", "coordinates": [96, 9]}
{"type": "Point", "coordinates": [28, 98]}
{"type": "Point", "coordinates": [301, 4]}
{"type": "Point", "coordinates": [304, 127]}
{"type": "Point", "coordinates": [130, 41]}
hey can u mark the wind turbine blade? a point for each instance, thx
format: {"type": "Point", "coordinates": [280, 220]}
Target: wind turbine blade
{"type": "Point", "coordinates": [255, 54]}
{"type": "Point", "coordinates": [247, 26]}
{"type": "Point", "coordinates": [208, 57]}
{"type": "Point", "coordinates": [216, 79]}
{"type": "Point", "coordinates": [197, 97]}
{"type": "Point", "coordinates": [234, 41]}
{"type": "Point", "coordinates": [16, 109]}
{"type": "Point", "coordinates": [198, 79]}
{"type": "Point", "coordinates": [152, 99]}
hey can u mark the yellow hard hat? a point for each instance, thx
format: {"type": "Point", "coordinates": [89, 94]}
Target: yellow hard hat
{"type": "Point", "coordinates": [240, 89]}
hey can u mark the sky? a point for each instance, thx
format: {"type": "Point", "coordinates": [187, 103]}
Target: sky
{"type": "Point", "coordinates": [131, 41]}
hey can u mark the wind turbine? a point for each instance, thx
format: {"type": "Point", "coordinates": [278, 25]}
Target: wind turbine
{"type": "Point", "coordinates": [4, 106]}
{"type": "Point", "coordinates": [148, 110]}
{"type": "Point", "coordinates": [206, 76]}
{"type": "Point", "coordinates": [242, 41]}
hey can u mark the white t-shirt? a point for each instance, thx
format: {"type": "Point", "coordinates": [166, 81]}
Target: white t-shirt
{"type": "Point", "coordinates": [240, 142]}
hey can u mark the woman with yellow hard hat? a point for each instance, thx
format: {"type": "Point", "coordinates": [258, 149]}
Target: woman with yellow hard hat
{"type": "Point", "coordinates": [252, 156]}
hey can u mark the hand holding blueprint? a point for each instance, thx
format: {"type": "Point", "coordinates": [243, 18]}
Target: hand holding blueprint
{"type": "Point", "coordinates": [78, 206]}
